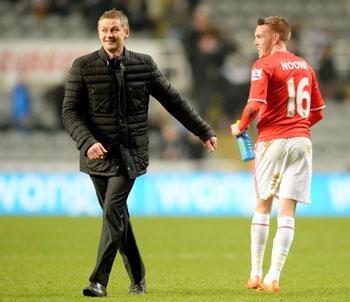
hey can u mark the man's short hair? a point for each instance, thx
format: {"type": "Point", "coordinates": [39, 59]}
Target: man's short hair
{"type": "Point", "coordinates": [115, 14]}
{"type": "Point", "coordinates": [278, 25]}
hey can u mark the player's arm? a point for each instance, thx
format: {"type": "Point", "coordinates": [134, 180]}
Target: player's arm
{"type": "Point", "coordinates": [317, 103]}
{"type": "Point", "coordinates": [257, 96]}
{"type": "Point", "coordinates": [315, 116]}
{"type": "Point", "coordinates": [250, 112]}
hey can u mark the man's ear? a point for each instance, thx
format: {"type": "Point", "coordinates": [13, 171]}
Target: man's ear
{"type": "Point", "coordinates": [276, 38]}
{"type": "Point", "coordinates": [127, 33]}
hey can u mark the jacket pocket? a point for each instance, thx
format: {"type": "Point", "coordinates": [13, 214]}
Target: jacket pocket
{"type": "Point", "coordinates": [102, 105]}
{"type": "Point", "coordinates": [102, 100]}
{"type": "Point", "coordinates": [139, 97]}
{"type": "Point", "coordinates": [104, 166]}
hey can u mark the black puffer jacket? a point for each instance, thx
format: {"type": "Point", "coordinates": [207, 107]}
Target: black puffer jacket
{"type": "Point", "coordinates": [109, 104]}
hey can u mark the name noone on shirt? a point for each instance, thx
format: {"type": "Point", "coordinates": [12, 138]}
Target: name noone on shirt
{"type": "Point", "coordinates": [290, 65]}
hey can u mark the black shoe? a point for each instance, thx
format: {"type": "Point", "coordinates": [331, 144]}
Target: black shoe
{"type": "Point", "coordinates": [95, 290]}
{"type": "Point", "coordinates": [138, 288]}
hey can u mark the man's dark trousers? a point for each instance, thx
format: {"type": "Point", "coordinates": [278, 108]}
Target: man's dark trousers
{"type": "Point", "coordinates": [112, 193]}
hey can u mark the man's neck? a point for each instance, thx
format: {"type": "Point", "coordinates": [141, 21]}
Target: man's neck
{"type": "Point", "coordinates": [279, 48]}
{"type": "Point", "coordinates": [115, 54]}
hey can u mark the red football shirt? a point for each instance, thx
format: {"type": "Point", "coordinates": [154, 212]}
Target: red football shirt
{"type": "Point", "coordinates": [288, 88]}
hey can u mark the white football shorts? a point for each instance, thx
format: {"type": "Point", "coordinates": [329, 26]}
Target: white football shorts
{"type": "Point", "coordinates": [283, 168]}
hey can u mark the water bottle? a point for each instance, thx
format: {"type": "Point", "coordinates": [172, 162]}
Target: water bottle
{"type": "Point", "coordinates": [245, 145]}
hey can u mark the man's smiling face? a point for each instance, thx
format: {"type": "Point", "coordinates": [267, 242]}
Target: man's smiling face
{"type": "Point", "coordinates": [112, 35]}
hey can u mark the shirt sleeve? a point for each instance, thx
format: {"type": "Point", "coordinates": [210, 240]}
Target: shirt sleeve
{"type": "Point", "coordinates": [260, 75]}
{"type": "Point", "coordinates": [317, 102]}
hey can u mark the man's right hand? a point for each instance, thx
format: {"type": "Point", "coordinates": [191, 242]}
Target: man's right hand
{"type": "Point", "coordinates": [96, 151]}
{"type": "Point", "coordinates": [235, 131]}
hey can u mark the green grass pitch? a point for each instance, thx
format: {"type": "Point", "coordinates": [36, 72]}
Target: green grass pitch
{"type": "Point", "coordinates": [187, 259]}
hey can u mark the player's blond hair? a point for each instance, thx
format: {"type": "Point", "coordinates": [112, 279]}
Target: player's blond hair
{"type": "Point", "coordinates": [278, 25]}
{"type": "Point", "coordinates": [115, 14]}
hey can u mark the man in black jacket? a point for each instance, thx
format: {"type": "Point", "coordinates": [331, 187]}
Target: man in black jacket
{"type": "Point", "coordinates": [105, 110]}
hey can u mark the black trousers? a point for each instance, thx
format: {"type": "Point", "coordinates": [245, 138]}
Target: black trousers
{"type": "Point", "coordinates": [112, 193]}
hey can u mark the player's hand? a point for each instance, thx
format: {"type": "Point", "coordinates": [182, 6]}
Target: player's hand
{"type": "Point", "coordinates": [235, 129]}
{"type": "Point", "coordinates": [96, 151]}
{"type": "Point", "coordinates": [211, 144]}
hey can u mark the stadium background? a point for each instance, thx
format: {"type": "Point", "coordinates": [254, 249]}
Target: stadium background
{"type": "Point", "coordinates": [40, 38]}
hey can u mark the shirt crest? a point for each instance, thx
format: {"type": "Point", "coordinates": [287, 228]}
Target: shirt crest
{"type": "Point", "coordinates": [256, 74]}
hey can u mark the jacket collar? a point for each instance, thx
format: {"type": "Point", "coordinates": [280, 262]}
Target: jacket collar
{"type": "Point", "coordinates": [103, 55]}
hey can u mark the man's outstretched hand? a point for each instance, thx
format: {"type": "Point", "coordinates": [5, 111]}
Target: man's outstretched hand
{"type": "Point", "coordinates": [211, 144]}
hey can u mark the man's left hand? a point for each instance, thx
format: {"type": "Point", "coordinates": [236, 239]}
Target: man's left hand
{"type": "Point", "coordinates": [211, 144]}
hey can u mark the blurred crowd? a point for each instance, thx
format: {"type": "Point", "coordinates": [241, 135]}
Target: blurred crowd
{"type": "Point", "coordinates": [220, 71]}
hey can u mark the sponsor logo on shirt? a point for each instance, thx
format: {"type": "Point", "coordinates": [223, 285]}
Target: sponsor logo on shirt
{"type": "Point", "coordinates": [256, 74]}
